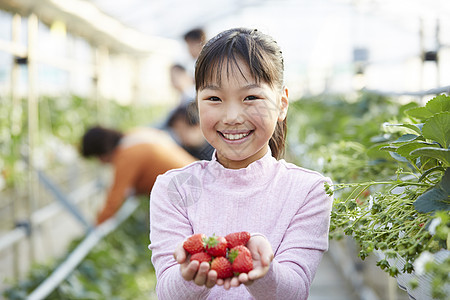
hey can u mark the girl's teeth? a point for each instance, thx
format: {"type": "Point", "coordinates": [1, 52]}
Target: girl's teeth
{"type": "Point", "coordinates": [238, 136]}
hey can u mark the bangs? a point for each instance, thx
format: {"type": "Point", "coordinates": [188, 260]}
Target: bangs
{"type": "Point", "coordinates": [230, 51]}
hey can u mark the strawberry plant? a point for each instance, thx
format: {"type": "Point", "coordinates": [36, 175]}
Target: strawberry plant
{"type": "Point", "coordinates": [406, 214]}
{"type": "Point", "coordinates": [62, 121]}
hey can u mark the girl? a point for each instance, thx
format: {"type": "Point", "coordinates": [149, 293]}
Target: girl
{"type": "Point", "coordinates": [242, 105]}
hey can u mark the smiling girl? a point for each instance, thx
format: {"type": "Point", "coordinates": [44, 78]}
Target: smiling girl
{"type": "Point", "coordinates": [245, 187]}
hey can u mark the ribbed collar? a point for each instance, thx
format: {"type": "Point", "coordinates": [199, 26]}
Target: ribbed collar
{"type": "Point", "coordinates": [256, 173]}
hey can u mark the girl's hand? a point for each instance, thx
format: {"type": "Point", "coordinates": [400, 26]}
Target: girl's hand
{"type": "Point", "coordinates": [262, 255]}
{"type": "Point", "coordinates": [193, 271]}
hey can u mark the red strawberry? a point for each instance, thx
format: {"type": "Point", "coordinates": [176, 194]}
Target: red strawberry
{"type": "Point", "coordinates": [241, 260]}
{"type": "Point", "coordinates": [216, 246]}
{"type": "Point", "coordinates": [201, 257]}
{"type": "Point", "coordinates": [222, 266]}
{"type": "Point", "coordinates": [237, 238]}
{"type": "Point", "coordinates": [195, 243]}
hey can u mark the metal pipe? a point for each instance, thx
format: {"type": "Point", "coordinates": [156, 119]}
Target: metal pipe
{"type": "Point", "coordinates": [65, 201]}
{"type": "Point", "coordinates": [47, 212]}
{"type": "Point", "coordinates": [435, 91]}
{"type": "Point", "coordinates": [83, 249]}
{"type": "Point", "coordinates": [16, 119]}
{"type": "Point", "coordinates": [12, 237]}
{"type": "Point", "coordinates": [33, 124]}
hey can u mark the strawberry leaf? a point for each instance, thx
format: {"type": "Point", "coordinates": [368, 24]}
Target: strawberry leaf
{"type": "Point", "coordinates": [437, 128]}
{"type": "Point", "coordinates": [437, 198]}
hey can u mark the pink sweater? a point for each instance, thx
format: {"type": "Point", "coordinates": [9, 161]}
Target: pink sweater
{"type": "Point", "coordinates": [285, 203]}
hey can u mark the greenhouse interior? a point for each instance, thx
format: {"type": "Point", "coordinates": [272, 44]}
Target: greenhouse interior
{"type": "Point", "coordinates": [368, 83]}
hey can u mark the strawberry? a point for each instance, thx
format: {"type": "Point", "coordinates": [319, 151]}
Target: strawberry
{"type": "Point", "coordinates": [241, 260]}
{"type": "Point", "coordinates": [216, 246]}
{"type": "Point", "coordinates": [237, 238]}
{"type": "Point", "coordinates": [222, 266]}
{"type": "Point", "coordinates": [195, 243]}
{"type": "Point", "coordinates": [201, 257]}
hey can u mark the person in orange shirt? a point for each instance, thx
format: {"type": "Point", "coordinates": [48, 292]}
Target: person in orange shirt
{"type": "Point", "coordinates": [138, 157]}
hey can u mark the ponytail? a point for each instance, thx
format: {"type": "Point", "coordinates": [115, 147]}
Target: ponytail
{"type": "Point", "coordinates": [277, 142]}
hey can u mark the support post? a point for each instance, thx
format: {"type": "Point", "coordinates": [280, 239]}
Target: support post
{"type": "Point", "coordinates": [33, 124]}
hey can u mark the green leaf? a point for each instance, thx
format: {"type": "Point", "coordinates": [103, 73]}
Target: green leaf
{"type": "Point", "coordinates": [437, 128]}
{"type": "Point", "coordinates": [438, 104]}
{"type": "Point", "coordinates": [406, 149]}
{"type": "Point", "coordinates": [374, 152]}
{"type": "Point", "coordinates": [389, 148]}
{"type": "Point", "coordinates": [419, 113]}
{"type": "Point", "coordinates": [406, 138]}
{"type": "Point", "coordinates": [432, 200]}
{"type": "Point", "coordinates": [415, 127]}
{"type": "Point", "coordinates": [398, 157]}
{"type": "Point", "coordinates": [438, 153]}
{"type": "Point", "coordinates": [430, 171]}
{"type": "Point", "coordinates": [436, 198]}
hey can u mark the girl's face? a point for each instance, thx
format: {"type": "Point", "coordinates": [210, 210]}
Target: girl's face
{"type": "Point", "coordinates": [239, 115]}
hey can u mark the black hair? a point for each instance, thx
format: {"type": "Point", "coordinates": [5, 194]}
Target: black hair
{"type": "Point", "coordinates": [98, 141]}
{"type": "Point", "coordinates": [178, 67]}
{"type": "Point", "coordinates": [196, 34]}
{"type": "Point", "coordinates": [187, 112]}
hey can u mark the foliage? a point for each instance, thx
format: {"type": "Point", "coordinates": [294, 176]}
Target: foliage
{"type": "Point", "coordinates": [336, 135]}
{"type": "Point", "coordinates": [395, 215]}
{"type": "Point", "coordinates": [62, 121]}
{"type": "Point", "coordinates": [118, 267]}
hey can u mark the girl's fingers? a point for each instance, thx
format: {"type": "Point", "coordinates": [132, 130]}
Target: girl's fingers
{"type": "Point", "coordinates": [188, 271]}
{"type": "Point", "coordinates": [243, 278]}
{"type": "Point", "coordinates": [202, 274]}
{"type": "Point", "coordinates": [180, 254]}
{"type": "Point", "coordinates": [267, 259]}
{"type": "Point", "coordinates": [234, 282]}
{"type": "Point", "coordinates": [211, 279]}
{"type": "Point", "coordinates": [220, 281]}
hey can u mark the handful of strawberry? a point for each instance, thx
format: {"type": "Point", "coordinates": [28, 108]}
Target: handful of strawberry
{"type": "Point", "coordinates": [228, 255]}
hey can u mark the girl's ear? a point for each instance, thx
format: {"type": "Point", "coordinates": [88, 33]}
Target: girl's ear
{"type": "Point", "coordinates": [284, 104]}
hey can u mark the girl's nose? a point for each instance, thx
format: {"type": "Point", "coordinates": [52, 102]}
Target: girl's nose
{"type": "Point", "coordinates": [234, 114]}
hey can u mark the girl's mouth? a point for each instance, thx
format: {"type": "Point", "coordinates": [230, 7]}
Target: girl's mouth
{"type": "Point", "coordinates": [235, 136]}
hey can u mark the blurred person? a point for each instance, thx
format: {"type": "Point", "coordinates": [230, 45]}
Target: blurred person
{"type": "Point", "coordinates": [137, 156]}
{"type": "Point", "coordinates": [195, 39]}
{"type": "Point", "coordinates": [183, 82]}
{"type": "Point", "coordinates": [185, 128]}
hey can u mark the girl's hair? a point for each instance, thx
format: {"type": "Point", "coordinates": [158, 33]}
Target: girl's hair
{"type": "Point", "coordinates": [98, 141]}
{"type": "Point", "coordinates": [261, 54]}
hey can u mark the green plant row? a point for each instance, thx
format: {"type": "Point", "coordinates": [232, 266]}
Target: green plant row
{"type": "Point", "coordinates": [118, 267]}
{"type": "Point", "coordinates": [62, 121]}
{"type": "Point", "coordinates": [405, 213]}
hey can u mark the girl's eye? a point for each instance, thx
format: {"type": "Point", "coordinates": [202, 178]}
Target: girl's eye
{"type": "Point", "coordinates": [213, 98]}
{"type": "Point", "coordinates": [251, 98]}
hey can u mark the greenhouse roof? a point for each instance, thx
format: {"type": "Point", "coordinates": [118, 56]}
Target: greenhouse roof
{"type": "Point", "coordinates": [315, 36]}
{"type": "Point", "coordinates": [138, 23]}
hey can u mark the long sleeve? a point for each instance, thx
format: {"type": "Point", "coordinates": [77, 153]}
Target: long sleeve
{"type": "Point", "coordinates": [298, 256]}
{"type": "Point", "coordinates": [285, 203]}
{"type": "Point", "coordinates": [169, 226]}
